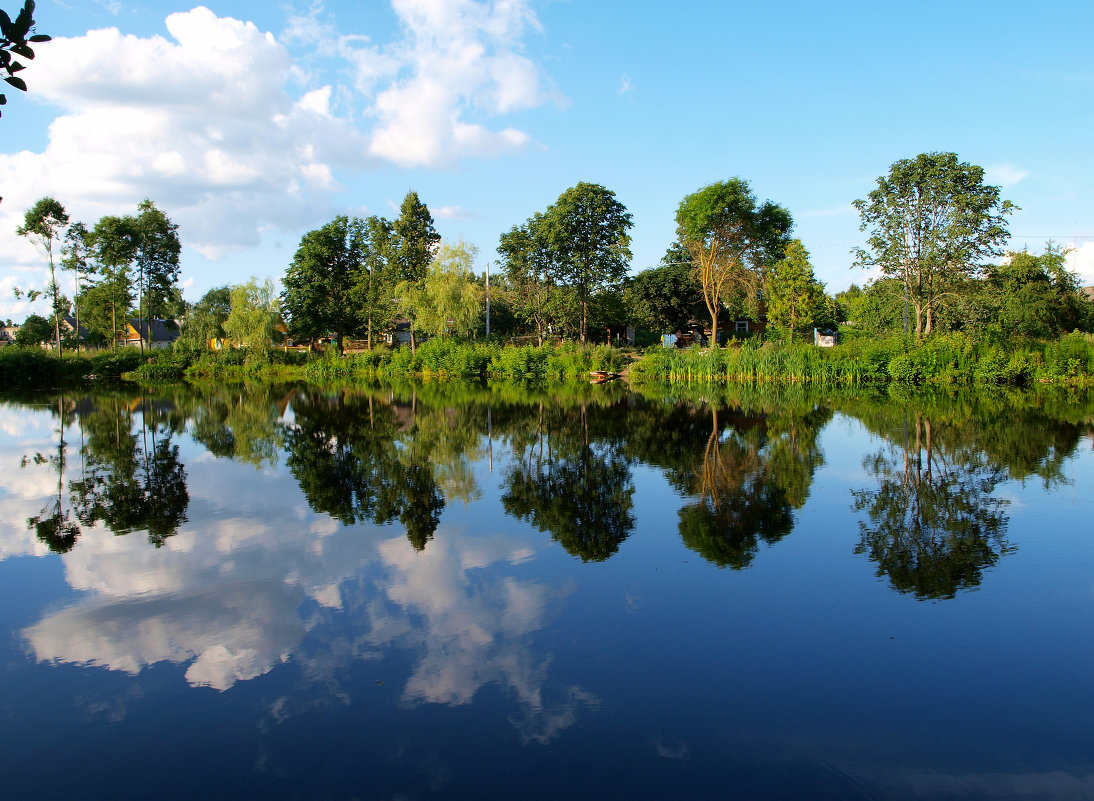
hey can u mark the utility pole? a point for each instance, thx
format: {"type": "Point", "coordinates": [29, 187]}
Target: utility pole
{"type": "Point", "coordinates": [487, 300]}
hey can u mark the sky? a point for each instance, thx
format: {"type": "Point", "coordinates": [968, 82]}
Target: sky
{"type": "Point", "coordinates": [252, 123]}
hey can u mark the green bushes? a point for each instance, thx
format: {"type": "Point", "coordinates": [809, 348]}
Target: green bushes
{"type": "Point", "coordinates": [34, 367]}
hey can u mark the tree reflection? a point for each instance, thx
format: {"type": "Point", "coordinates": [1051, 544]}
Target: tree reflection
{"type": "Point", "coordinates": [349, 455]}
{"type": "Point", "coordinates": [580, 493]}
{"type": "Point", "coordinates": [132, 481]}
{"type": "Point", "coordinates": [240, 424]}
{"type": "Point", "coordinates": [54, 525]}
{"type": "Point", "coordinates": [934, 525]}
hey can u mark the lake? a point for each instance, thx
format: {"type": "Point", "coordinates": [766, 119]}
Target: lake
{"type": "Point", "coordinates": [449, 592]}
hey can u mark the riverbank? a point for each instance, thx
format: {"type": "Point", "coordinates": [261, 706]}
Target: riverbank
{"type": "Point", "coordinates": [949, 360]}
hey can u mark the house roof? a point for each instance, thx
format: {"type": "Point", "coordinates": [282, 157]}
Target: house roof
{"type": "Point", "coordinates": [161, 330]}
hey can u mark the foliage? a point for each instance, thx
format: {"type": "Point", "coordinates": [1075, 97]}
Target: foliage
{"type": "Point", "coordinates": [254, 314]}
{"type": "Point", "coordinates": [530, 264]}
{"type": "Point", "coordinates": [932, 224]}
{"type": "Point", "coordinates": [320, 282]}
{"type": "Point", "coordinates": [447, 300]}
{"type": "Point", "coordinates": [35, 330]}
{"type": "Point", "coordinates": [731, 240]}
{"type": "Point", "coordinates": [587, 231]}
{"type": "Point", "coordinates": [17, 36]}
{"type": "Point", "coordinates": [795, 300]}
{"type": "Point", "coordinates": [205, 319]}
{"type": "Point", "coordinates": [44, 224]}
{"type": "Point", "coordinates": [664, 298]}
{"type": "Point", "coordinates": [156, 256]}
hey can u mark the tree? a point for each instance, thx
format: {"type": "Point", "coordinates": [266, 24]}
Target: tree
{"type": "Point", "coordinates": [794, 298]}
{"type": "Point", "coordinates": [115, 240]}
{"type": "Point", "coordinates": [416, 241]}
{"type": "Point", "coordinates": [34, 331]}
{"type": "Point", "coordinates": [44, 225]}
{"type": "Point", "coordinates": [1034, 296]}
{"type": "Point", "coordinates": [78, 255]}
{"type": "Point", "coordinates": [321, 281]}
{"type": "Point", "coordinates": [17, 37]}
{"type": "Point", "coordinates": [374, 291]}
{"type": "Point", "coordinates": [448, 299]}
{"type": "Point", "coordinates": [932, 223]}
{"type": "Point", "coordinates": [255, 308]}
{"type": "Point", "coordinates": [529, 262]}
{"type": "Point", "coordinates": [156, 254]}
{"type": "Point", "coordinates": [587, 230]}
{"type": "Point", "coordinates": [205, 319]}
{"type": "Point", "coordinates": [731, 240]}
{"type": "Point", "coordinates": [666, 297]}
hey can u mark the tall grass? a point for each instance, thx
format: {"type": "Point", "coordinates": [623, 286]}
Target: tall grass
{"type": "Point", "coordinates": [943, 359]}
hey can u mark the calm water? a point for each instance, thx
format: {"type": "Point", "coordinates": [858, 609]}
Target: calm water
{"type": "Point", "coordinates": [446, 593]}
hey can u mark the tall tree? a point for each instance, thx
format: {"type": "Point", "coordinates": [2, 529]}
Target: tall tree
{"type": "Point", "coordinates": [17, 36]}
{"type": "Point", "coordinates": [416, 242]}
{"type": "Point", "coordinates": [115, 240]}
{"type": "Point", "coordinates": [78, 255]}
{"type": "Point", "coordinates": [374, 291]}
{"type": "Point", "coordinates": [587, 228]}
{"type": "Point", "coordinates": [1034, 296]}
{"type": "Point", "coordinates": [731, 240]}
{"type": "Point", "coordinates": [44, 224]}
{"type": "Point", "coordinates": [157, 260]}
{"type": "Point", "coordinates": [933, 224]}
{"type": "Point", "coordinates": [529, 262]}
{"type": "Point", "coordinates": [794, 297]}
{"type": "Point", "coordinates": [320, 282]}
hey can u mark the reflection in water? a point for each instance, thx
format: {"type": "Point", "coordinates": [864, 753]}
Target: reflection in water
{"type": "Point", "coordinates": [748, 481]}
{"type": "Point", "coordinates": [934, 525]}
{"type": "Point", "coordinates": [581, 494]}
{"type": "Point", "coordinates": [132, 480]}
{"type": "Point", "coordinates": [54, 526]}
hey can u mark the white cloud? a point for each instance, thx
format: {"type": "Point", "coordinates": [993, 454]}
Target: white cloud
{"type": "Point", "coordinates": [453, 213]}
{"type": "Point", "coordinates": [1081, 261]}
{"type": "Point", "coordinates": [205, 122]}
{"type": "Point", "coordinates": [625, 84]}
{"type": "Point", "coordinates": [1005, 175]}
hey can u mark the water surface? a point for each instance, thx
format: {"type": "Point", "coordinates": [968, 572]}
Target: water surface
{"type": "Point", "coordinates": [444, 592]}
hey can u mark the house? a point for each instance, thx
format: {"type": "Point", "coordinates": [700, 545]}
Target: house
{"type": "Point", "coordinates": [156, 334]}
{"type": "Point", "coordinates": [68, 329]}
{"type": "Point", "coordinates": [7, 334]}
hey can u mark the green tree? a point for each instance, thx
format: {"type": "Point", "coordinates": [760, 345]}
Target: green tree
{"type": "Point", "coordinates": [932, 224]}
{"type": "Point", "coordinates": [731, 240]}
{"type": "Point", "coordinates": [44, 224]}
{"type": "Point", "coordinates": [666, 297]}
{"type": "Point", "coordinates": [374, 291]}
{"type": "Point", "coordinates": [78, 256]}
{"type": "Point", "coordinates": [530, 265]}
{"type": "Point", "coordinates": [254, 313]}
{"type": "Point", "coordinates": [205, 319]}
{"type": "Point", "coordinates": [322, 280]}
{"type": "Point", "coordinates": [156, 255]}
{"type": "Point", "coordinates": [16, 37]}
{"type": "Point", "coordinates": [587, 230]}
{"type": "Point", "coordinates": [416, 240]}
{"type": "Point", "coordinates": [115, 240]}
{"type": "Point", "coordinates": [794, 297]}
{"type": "Point", "coordinates": [1034, 296]}
{"type": "Point", "coordinates": [35, 330]}
{"type": "Point", "coordinates": [447, 300]}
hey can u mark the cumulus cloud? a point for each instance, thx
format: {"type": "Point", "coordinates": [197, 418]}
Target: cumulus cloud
{"type": "Point", "coordinates": [207, 121]}
{"type": "Point", "coordinates": [1080, 260]}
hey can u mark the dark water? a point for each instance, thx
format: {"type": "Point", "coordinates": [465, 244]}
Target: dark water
{"type": "Point", "coordinates": [439, 592]}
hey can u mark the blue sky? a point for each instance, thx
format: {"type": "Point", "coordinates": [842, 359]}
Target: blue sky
{"type": "Point", "coordinates": [251, 123]}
